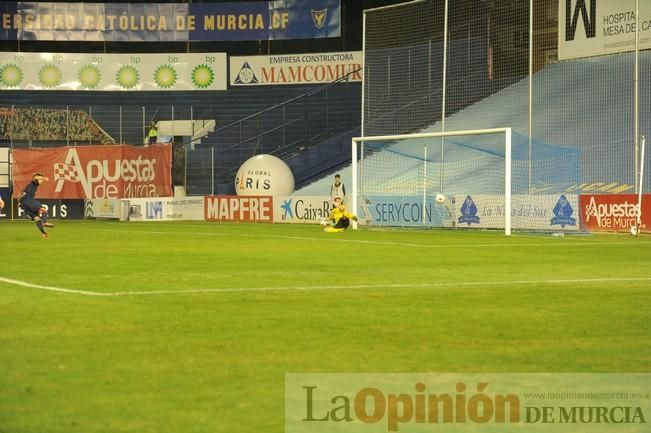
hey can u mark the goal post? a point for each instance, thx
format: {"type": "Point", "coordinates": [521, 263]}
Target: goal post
{"type": "Point", "coordinates": [366, 172]}
{"type": "Point", "coordinates": [638, 220]}
{"type": "Point", "coordinates": [465, 179]}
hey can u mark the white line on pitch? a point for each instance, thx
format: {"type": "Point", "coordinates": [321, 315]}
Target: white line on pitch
{"type": "Point", "coordinates": [50, 288]}
{"type": "Point", "coordinates": [370, 242]}
{"type": "Point", "coordinates": [325, 288]}
{"type": "Point", "coordinates": [378, 286]}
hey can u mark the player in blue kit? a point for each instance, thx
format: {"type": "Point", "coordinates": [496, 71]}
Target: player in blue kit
{"type": "Point", "coordinates": [32, 207]}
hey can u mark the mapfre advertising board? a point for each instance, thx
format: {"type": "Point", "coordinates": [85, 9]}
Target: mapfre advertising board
{"type": "Point", "coordinates": [596, 27]}
{"type": "Point", "coordinates": [614, 212]}
{"type": "Point", "coordinates": [89, 172]}
{"type": "Point", "coordinates": [241, 208]}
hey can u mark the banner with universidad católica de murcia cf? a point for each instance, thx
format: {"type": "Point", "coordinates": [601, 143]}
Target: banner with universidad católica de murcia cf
{"type": "Point", "coordinates": [151, 22]}
{"type": "Point", "coordinates": [91, 172]}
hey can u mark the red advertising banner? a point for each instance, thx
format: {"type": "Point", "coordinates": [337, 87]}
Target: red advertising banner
{"type": "Point", "coordinates": [239, 208]}
{"type": "Point", "coordinates": [90, 172]}
{"type": "Point", "coordinates": [614, 212]}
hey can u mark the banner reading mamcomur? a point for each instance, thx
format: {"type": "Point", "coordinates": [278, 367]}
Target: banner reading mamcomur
{"type": "Point", "coordinates": [468, 403]}
{"type": "Point", "coordinates": [596, 27]}
{"type": "Point", "coordinates": [314, 68]}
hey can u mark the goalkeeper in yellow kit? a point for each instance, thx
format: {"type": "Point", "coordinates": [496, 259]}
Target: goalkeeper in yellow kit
{"type": "Point", "coordinates": [339, 216]}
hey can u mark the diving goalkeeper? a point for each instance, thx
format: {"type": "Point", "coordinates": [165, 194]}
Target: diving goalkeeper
{"type": "Point", "coordinates": [339, 216]}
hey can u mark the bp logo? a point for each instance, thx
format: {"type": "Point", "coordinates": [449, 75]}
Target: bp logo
{"type": "Point", "coordinates": [563, 213]}
{"type": "Point", "coordinates": [127, 77]}
{"type": "Point", "coordinates": [50, 76]}
{"type": "Point", "coordinates": [246, 75]}
{"type": "Point", "coordinates": [469, 212]}
{"type": "Point", "coordinates": [89, 76]}
{"type": "Point", "coordinates": [202, 76]}
{"type": "Point", "coordinates": [165, 76]}
{"type": "Point", "coordinates": [11, 75]}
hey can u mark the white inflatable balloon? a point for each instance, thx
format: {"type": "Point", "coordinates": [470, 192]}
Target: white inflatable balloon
{"type": "Point", "coordinates": [264, 175]}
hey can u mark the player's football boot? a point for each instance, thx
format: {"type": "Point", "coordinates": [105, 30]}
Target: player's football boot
{"type": "Point", "coordinates": [48, 225]}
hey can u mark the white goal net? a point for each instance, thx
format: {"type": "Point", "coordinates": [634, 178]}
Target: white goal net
{"type": "Point", "coordinates": [482, 179]}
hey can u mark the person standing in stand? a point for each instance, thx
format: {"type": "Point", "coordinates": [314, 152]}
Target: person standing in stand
{"type": "Point", "coordinates": [338, 189]}
{"type": "Point", "coordinates": [152, 133]}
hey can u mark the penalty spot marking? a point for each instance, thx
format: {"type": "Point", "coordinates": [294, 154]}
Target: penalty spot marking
{"type": "Point", "coordinates": [324, 288]}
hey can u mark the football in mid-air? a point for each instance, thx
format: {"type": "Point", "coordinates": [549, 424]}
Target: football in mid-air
{"type": "Point", "coordinates": [324, 221]}
{"type": "Point", "coordinates": [440, 198]}
{"type": "Point", "coordinates": [634, 230]}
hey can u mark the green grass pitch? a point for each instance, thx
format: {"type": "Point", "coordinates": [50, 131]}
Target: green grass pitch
{"type": "Point", "coordinates": [191, 327]}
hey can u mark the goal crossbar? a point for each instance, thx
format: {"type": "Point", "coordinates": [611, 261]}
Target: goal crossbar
{"type": "Point", "coordinates": [507, 160]}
